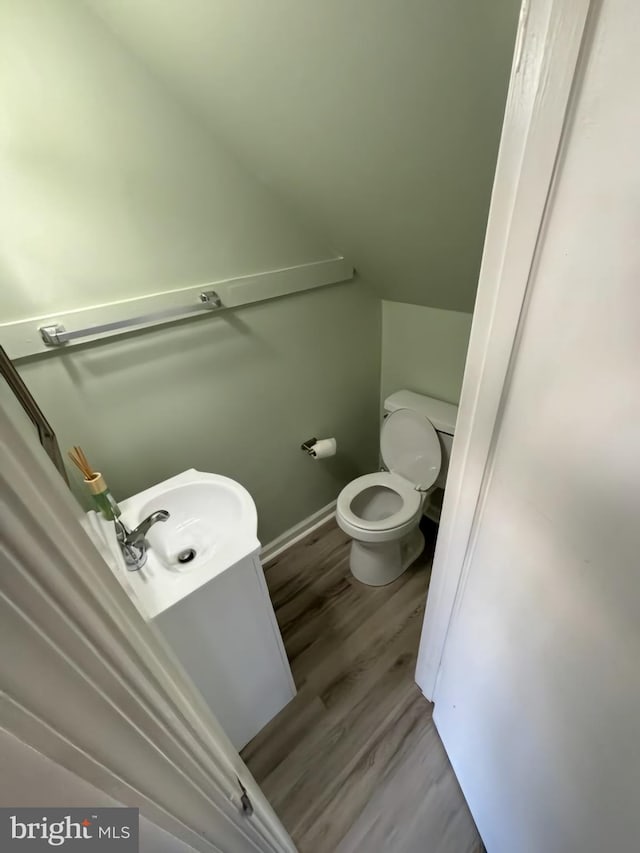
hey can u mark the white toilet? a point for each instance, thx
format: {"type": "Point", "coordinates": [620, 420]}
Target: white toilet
{"type": "Point", "coordinates": [381, 512]}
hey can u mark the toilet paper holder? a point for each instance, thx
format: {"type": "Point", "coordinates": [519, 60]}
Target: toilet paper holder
{"type": "Point", "coordinates": [307, 445]}
{"type": "Point", "coordinates": [319, 448]}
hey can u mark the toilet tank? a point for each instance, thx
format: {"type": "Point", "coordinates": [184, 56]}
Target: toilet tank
{"type": "Point", "coordinates": [442, 415]}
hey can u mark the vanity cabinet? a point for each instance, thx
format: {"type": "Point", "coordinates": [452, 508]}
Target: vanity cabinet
{"type": "Point", "coordinates": [226, 636]}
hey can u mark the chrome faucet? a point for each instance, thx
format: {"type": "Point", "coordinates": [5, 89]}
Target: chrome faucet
{"type": "Point", "coordinates": [133, 543]}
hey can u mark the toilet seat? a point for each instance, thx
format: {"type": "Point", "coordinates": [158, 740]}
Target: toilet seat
{"type": "Point", "coordinates": [406, 513]}
{"type": "Point", "coordinates": [411, 450]}
{"type": "Point", "coordinates": [410, 447]}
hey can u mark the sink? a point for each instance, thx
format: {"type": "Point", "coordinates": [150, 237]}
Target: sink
{"type": "Point", "coordinates": [212, 525]}
{"type": "Point", "coordinates": [204, 516]}
{"type": "Point", "coordinates": [213, 610]}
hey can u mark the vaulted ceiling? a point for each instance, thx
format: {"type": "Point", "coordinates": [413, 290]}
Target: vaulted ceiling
{"type": "Point", "coordinates": [378, 121]}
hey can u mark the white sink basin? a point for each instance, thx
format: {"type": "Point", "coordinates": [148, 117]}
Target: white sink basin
{"type": "Point", "coordinates": [204, 516]}
{"type": "Point", "coordinates": [212, 523]}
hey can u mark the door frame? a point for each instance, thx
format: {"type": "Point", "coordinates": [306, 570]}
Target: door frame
{"type": "Point", "coordinates": [91, 685]}
{"type": "Point", "coordinates": [544, 74]}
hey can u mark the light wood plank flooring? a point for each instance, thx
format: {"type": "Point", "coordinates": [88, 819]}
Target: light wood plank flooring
{"type": "Point", "coordinates": [354, 763]}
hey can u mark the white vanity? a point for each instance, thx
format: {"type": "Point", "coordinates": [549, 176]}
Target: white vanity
{"type": "Point", "coordinates": [203, 587]}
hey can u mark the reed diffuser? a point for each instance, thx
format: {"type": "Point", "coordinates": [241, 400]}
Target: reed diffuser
{"type": "Point", "coordinates": [95, 482]}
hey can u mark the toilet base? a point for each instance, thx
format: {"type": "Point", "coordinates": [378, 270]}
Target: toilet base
{"type": "Point", "coordinates": [380, 563]}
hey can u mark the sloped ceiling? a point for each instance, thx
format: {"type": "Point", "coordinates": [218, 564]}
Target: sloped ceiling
{"type": "Point", "coordinates": [378, 120]}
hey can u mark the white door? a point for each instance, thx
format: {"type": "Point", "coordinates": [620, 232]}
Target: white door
{"type": "Point", "coordinates": [538, 694]}
{"type": "Point", "coordinates": [88, 684]}
{"type": "Point", "coordinates": [29, 778]}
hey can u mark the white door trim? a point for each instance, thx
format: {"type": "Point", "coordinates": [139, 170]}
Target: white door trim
{"type": "Point", "coordinates": [548, 44]}
{"type": "Point", "coordinates": [85, 681]}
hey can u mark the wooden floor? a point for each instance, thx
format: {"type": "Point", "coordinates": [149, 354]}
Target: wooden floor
{"type": "Point", "coordinates": [354, 762]}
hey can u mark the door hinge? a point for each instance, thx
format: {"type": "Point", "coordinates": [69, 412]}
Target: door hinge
{"type": "Point", "coordinates": [245, 803]}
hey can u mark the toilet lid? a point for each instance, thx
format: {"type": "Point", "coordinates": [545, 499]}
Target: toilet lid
{"type": "Point", "coordinates": [410, 447]}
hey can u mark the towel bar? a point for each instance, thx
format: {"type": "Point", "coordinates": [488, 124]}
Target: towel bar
{"type": "Point", "coordinates": [56, 335]}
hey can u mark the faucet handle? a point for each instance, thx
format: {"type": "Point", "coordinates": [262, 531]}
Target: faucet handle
{"type": "Point", "coordinates": [132, 542]}
{"type": "Point", "coordinates": [142, 529]}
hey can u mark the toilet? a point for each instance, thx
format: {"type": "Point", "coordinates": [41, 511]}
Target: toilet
{"type": "Point", "coordinates": [381, 512]}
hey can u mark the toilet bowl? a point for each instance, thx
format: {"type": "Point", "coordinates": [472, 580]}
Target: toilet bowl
{"type": "Point", "coordinates": [381, 511]}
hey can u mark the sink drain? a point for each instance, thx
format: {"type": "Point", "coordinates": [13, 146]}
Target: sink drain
{"type": "Point", "coordinates": [187, 555]}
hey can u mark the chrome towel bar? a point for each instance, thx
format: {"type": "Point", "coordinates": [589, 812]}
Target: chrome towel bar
{"type": "Point", "coordinates": [56, 335]}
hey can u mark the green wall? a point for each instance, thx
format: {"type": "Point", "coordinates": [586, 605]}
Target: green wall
{"type": "Point", "coordinates": [378, 119]}
{"type": "Point", "coordinates": [424, 350]}
{"type": "Point", "coordinates": [236, 394]}
{"type": "Point", "coordinates": [113, 188]}
{"type": "Point", "coordinates": [136, 159]}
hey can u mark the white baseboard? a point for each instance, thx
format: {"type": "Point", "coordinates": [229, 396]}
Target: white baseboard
{"type": "Point", "coordinates": [297, 532]}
